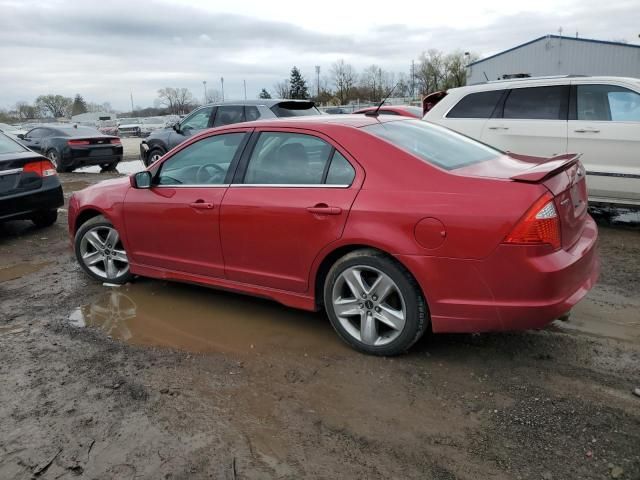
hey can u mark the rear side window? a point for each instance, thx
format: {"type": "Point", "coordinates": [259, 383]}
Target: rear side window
{"type": "Point", "coordinates": [229, 114]}
{"type": "Point", "coordinates": [340, 172]}
{"type": "Point", "coordinates": [251, 113]}
{"type": "Point", "coordinates": [476, 105]}
{"type": "Point", "coordinates": [537, 103]}
{"type": "Point", "coordinates": [607, 103]}
{"type": "Point", "coordinates": [434, 144]}
{"type": "Point", "coordinates": [287, 159]}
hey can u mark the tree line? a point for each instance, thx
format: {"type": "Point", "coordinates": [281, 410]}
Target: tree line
{"type": "Point", "coordinates": [433, 71]}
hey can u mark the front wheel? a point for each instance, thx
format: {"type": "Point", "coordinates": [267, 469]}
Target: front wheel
{"type": "Point", "coordinates": [108, 167]}
{"type": "Point", "coordinates": [100, 251]}
{"type": "Point", "coordinates": [374, 304]}
{"type": "Point", "coordinates": [154, 155]}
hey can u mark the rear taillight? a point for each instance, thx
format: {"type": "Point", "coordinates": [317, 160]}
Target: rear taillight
{"type": "Point", "coordinates": [539, 226]}
{"type": "Point", "coordinates": [116, 141]}
{"type": "Point", "coordinates": [75, 143]}
{"type": "Point", "coordinates": [43, 168]}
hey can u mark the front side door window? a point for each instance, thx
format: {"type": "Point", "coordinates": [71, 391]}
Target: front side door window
{"type": "Point", "coordinates": [205, 162]}
{"type": "Point", "coordinates": [607, 103]}
{"type": "Point", "coordinates": [198, 120]}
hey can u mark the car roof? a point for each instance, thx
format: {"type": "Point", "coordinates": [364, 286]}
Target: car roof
{"type": "Point", "coordinates": [318, 121]}
{"type": "Point", "coordinates": [267, 102]}
{"type": "Point", "coordinates": [533, 81]}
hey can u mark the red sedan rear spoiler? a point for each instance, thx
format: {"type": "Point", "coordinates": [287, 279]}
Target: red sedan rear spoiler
{"type": "Point", "coordinates": [544, 167]}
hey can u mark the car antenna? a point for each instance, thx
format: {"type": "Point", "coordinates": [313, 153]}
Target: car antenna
{"type": "Point", "coordinates": [374, 113]}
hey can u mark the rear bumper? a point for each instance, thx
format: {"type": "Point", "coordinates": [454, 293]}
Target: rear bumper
{"type": "Point", "coordinates": [24, 205]}
{"type": "Point", "coordinates": [516, 288]}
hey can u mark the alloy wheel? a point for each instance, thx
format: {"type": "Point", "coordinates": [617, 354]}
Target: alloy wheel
{"type": "Point", "coordinates": [369, 305]}
{"type": "Point", "coordinates": [102, 252]}
{"type": "Point", "coordinates": [53, 156]}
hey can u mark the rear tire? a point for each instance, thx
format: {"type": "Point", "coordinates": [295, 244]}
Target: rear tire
{"type": "Point", "coordinates": [55, 158]}
{"type": "Point", "coordinates": [45, 218]}
{"type": "Point", "coordinates": [374, 304]}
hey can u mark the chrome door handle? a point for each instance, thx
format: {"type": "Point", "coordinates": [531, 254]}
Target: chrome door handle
{"type": "Point", "coordinates": [587, 130]}
{"type": "Point", "coordinates": [200, 205]}
{"type": "Point", "coordinates": [324, 210]}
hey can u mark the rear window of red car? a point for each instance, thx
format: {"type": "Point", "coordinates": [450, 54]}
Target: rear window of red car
{"type": "Point", "coordinates": [434, 144]}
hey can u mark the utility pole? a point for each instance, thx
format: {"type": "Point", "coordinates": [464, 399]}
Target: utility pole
{"type": "Point", "coordinates": [131, 93]}
{"type": "Point", "coordinates": [318, 82]}
{"type": "Point", "coordinates": [222, 85]}
{"type": "Point", "coordinates": [244, 82]}
{"type": "Point", "coordinates": [413, 79]}
{"type": "Point", "coordinates": [204, 83]}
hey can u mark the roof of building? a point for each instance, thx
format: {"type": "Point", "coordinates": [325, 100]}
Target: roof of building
{"type": "Point", "coordinates": [578, 39]}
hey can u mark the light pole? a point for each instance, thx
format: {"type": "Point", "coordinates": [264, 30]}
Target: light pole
{"type": "Point", "coordinates": [204, 83]}
{"type": "Point", "coordinates": [318, 82]}
{"type": "Point", "coordinates": [244, 82]}
{"type": "Point", "coordinates": [222, 85]}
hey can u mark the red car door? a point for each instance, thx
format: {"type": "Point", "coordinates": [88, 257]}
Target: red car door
{"type": "Point", "coordinates": [174, 224]}
{"type": "Point", "coordinates": [293, 200]}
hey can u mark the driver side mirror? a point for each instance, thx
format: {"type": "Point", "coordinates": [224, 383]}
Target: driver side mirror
{"type": "Point", "coordinates": [141, 179]}
{"type": "Point", "coordinates": [21, 136]}
{"type": "Point", "coordinates": [176, 127]}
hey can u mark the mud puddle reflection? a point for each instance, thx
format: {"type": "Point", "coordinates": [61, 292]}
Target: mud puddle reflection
{"type": "Point", "coordinates": [197, 319]}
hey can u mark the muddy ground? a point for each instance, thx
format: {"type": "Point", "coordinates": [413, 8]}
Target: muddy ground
{"type": "Point", "coordinates": [161, 380]}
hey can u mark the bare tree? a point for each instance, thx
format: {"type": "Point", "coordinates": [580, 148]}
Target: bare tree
{"type": "Point", "coordinates": [177, 100]}
{"type": "Point", "coordinates": [55, 105]}
{"type": "Point", "coordinates": [344, 79]}
{"type": "Point", "coordinates": [281, 89]}
{"type": "Point", "coordinates": [24, 111]}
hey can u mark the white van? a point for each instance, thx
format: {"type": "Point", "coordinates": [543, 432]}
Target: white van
{"type": "Point", "coordinates": [596, 116]}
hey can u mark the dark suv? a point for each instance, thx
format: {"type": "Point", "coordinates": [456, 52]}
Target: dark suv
{"type": "Point", "coordinates": [216, 115]}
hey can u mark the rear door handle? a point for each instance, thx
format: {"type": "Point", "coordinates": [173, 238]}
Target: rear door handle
{"type": "Point", "coordinates": [498, 128]}
{"type": "Point", "coordinates": [201, 205]}
{"type": "Point", "coordinates": [323, 209]}
{"type": "Point", "coordinates": [587, 130]}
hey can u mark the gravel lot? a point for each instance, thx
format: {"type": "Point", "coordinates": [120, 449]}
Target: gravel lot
{"type": "Point", "coordinates": [161, 380]}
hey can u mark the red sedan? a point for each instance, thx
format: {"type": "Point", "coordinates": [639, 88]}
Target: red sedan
{"type": "Point", "coordinates": [392, 225]}
{"type": "Point", "coordinates": [398, 110]}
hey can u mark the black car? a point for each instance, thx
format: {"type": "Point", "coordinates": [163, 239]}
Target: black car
{"type": "Point", "coordinates": [29, 185]}
{"type": "Point", "coordinates": [217, 115]}
{"type": "Point", "coordinates": [70, 146]}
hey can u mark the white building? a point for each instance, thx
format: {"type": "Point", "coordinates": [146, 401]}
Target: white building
{"type": "Point", "coordinates": [558, 55]}
{"type": "Point", "coordinates": [93, 117]}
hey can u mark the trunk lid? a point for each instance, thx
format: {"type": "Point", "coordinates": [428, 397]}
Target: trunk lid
{"type": "Point", "coordinates": [12, 178]}
{"type": "Point", "coordinates": [563, 175]}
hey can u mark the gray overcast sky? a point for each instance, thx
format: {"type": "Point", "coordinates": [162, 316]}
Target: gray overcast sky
{"type": "Point", "coordinates": [106, 49]}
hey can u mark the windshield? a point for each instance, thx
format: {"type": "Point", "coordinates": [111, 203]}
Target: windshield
{"type": "Point", "coordinates": [433, 143]}
{"type": "Point", "coordinates": [9, 146]}
{"type": "Point", "coordinates": [295, 109]}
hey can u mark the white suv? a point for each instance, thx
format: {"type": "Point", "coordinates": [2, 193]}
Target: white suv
{"type": "Point", "coordinates": [596, 116]}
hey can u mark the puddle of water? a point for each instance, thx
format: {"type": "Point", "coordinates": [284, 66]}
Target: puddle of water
{"type": "Point", "coordinates": [20, 270]}
{"type": "Point", "coordinates": [127, 167]}
{"type": "Point", "coordinates": [613, 319]}
{"type": "Point", "coordinates": [197, 319]}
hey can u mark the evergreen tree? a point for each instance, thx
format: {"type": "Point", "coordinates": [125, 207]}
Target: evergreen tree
{"type": "Point", "coordinates": [79, 105]}
{"type": "Point", "coordinates": [264, 94]}
{"type": "Point", "coordinates": [297, 85]}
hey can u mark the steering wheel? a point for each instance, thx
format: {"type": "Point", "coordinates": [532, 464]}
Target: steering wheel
{"type": "Point", "coordinates": [205, 176]}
